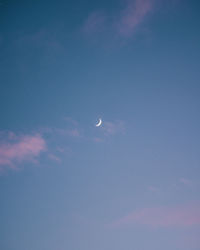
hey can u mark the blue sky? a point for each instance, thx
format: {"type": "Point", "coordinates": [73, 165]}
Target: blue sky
{"type": "Point", "coordinates": [133, 182]}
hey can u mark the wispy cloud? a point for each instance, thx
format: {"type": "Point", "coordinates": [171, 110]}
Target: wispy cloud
{"type": "Point", "coordinates": [108, 129]}
{"type": "Point", "coordinates": [71, 129]}
{"type": "Point", "coordinates": [95, 22]}
{"type": "Point", "coordinates": [14, 149]}
{"type": "Point", "coordinates": [153, 189]}
{"type": "Point", "coordinates": [98, 139]}
{"type": "Point", "coordinates": [133, 15]}
{"type": "Point", "coordinates": [121, 23]}
{"type": "Point", "coordinates": [71, 121]}
{"type": "Point", "coordinates": [111, 128]}
{"type": "Point", "coordinates": [68, 132]}
{"type": "Point", "coordinates": [54, 158]}
{"type": "Point", "coordinates": [184, 215]}
{"type": "Point", "coordinates": [186, 181]}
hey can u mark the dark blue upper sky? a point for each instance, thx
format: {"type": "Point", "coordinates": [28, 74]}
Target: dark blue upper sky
{"type": "Point", "coordinates": [130, 184]}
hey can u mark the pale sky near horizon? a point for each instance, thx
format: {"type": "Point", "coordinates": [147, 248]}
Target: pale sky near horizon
{"type": "Point", "coordinates": [131, 184]}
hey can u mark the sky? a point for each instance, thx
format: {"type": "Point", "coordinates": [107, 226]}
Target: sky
{"type": "Point", "coordinates": [132, 183]}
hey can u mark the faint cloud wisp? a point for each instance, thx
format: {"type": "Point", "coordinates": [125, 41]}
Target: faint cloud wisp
{"type": "Point", "coordinates": [122, 23]}
{"type": "Point", "coordinates": [16, 149]}
{"type": "Point", "coordinates": [133, 15]}
{"type": "Point", "coordinates": [153, 189]}
{"type": "Point", "coordinates": [111, 128]}
{"type": "Point", "coordinates": [95, 22]}
{"type": "Point", "coordinates": [175, 216]}
{"type": "Point", "coordinates": [68, 132]}
{"type": "Point", "coordinates": [186, 182]}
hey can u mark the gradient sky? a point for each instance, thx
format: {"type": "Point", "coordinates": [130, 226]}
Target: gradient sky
{"type": "Point", "coordinates": [132, 183]}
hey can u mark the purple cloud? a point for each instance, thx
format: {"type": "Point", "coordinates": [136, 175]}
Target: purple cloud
{"type": "Point", "coordinates": [133, 15]}
{"type": "Point", "coordinates": [178, 216]}
{"type": "Point", "coordinates": [15, 149]}
{"type": "Point", "coordinates": [122, 23]}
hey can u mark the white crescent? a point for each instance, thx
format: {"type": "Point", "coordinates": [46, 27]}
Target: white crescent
{"type": "Point", "coordinates": [99, 123]}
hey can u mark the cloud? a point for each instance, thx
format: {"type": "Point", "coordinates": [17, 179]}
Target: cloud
{"type": "Point", "coordinates": [54, 158]}
{"type": "Point", "coordinates": [95, 22]}
{"type": "Point", "coordinates": [14, 149]}
{"type": "Point", "coordinates": [69, 132]}
{"type": "Point", "coordinates": [71, 121]}
{"type": "Point", "coordinates": [133, 15]}
{"type": "Point", "coordinates": [153, 189]}
{"type": "Point", "coordinates": [73, 132]}
{"type": "Point", "coordinates": [111, 128]}
{"type": "Point", "coordinates": [186, 182]}
{"type": "Point", "coordinates": [178, 216]}
{"type": "Point", "coordinates": [123, 22]}
{"type": "Point", "coordinates": [98, 140]}
{"type": "Point", "coordinates": [108, 129]}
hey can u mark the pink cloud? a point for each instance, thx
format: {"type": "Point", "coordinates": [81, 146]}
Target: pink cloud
{"type": "Point", "coordinates": [133, 15]}
{"type": "Point", "coordinates": [15, 150]}
{"type": "Point", "coordinates": [177, 216]}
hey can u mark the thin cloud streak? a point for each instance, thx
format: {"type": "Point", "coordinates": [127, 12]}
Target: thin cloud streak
{"type": "Point", "coordinates": [112, 128]}
{"type": "Point", "coordinates": [27, 147]}
{"type": "Point", "coordinates": [123, 23]}
{"type": "Point", "coordinates": [176, 216]}
{"type": "Point", "coordinates": [133, 15]}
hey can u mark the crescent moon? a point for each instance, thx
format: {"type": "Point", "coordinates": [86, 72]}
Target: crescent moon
{"type": "Point", "coordinates": [99, 123]}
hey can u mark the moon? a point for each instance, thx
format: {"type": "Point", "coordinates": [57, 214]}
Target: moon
{"type": "Point", "coordinates": [99, 123]}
